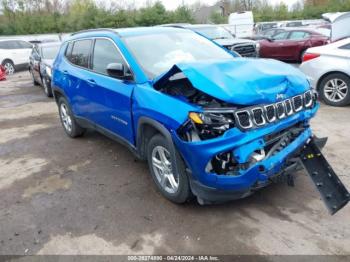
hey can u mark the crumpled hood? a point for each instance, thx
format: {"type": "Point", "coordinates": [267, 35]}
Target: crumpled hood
{"type": "Point", "coordinates": [241, 81]}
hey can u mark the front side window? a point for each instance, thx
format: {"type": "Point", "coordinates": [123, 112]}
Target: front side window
{"type": "Point", "coordinates": [81, 53]}
{"type": "Point", "coordinates": [105, 53]}
{"type": "Point", "coordinates": [281, 36]}
{"type": "Point", "coordinates": [166, 49]}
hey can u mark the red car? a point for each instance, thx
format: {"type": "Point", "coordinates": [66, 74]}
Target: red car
{"type": "Point", "coordinates": [2, 73]}
{"type": "Point", "coordinates": [291, 44]}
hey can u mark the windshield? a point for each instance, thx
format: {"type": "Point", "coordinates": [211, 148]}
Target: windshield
{"type": "Point", "coordinates": [214, 33]}
{"type": "Point", "coordinates": [50, 52]}
{"type": "Point", "coordinates": [157, 53]}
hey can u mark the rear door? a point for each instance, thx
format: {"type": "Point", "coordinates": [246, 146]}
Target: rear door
{"type": "Point", "coordinates": [24, 50]}
{"type": "Point", "coordinates": [12, 51]}
{"type": "Point", "coordinates": [76, 77]}
{"type": "Point", "coordinates": [295, 44]}
{"type": "Point", "coordinates": [110, 96]}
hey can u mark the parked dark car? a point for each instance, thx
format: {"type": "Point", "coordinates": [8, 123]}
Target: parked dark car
{"type": "Point", "coordinates": [40, 64]}
{"type": "Point", "coordinates": [262, 27]}
{"type": "Point", "coordinates": [291, 44]}
{"type": "Point", "coordinates": [221, 36]}
{"type": "Point", "coordinates": [267, 34]}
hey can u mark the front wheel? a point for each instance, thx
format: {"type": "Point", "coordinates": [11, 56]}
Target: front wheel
{"type": "Point", "coordinates": [334, 89]}
{"type": "Point", "coordinates": [70, 126]}
{"type": "Point", "coordinates": [173, 185]}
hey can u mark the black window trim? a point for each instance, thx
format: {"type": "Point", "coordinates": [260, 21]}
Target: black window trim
{"type": "Point", "coordinates": [345, 47]}
{"type": "Point", "coordinates": [93, 39]}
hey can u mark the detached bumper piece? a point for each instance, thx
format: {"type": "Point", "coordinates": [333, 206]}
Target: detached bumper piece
{"type": "Point", "coordinates": [332, 190]}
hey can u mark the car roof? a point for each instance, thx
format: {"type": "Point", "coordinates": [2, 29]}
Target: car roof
{"type": "Point", "coordinates": [12, 39]}
{"type": "Point", "coordinates": [48, 44]}
{"type": "Point", "coordinates": [125, 32]}
{"type": "Point", "coordinates": [291, 29]}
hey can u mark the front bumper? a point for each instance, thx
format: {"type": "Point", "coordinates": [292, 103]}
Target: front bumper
{"type": "Point", "coordinates": [211, 185]}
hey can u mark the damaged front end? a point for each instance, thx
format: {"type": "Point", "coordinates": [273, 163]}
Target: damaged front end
{"type": "Point", "coordinates": [241, 140]}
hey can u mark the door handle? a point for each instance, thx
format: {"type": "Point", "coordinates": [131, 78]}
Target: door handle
{"type": "Point", "coordinates": [92, 81]}
{"type": "Point", "coordinates": [65, 72]}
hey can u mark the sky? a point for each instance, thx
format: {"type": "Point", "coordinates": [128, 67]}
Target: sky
{"type": "Point", "coordinates": [172, 4]}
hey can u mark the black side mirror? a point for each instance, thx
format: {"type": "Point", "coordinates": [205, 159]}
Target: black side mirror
{"type": "Point", "coordinates": [117, 70]}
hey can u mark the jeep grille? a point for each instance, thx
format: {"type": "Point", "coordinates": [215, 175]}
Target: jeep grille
{"type": "Point", "coordinates": [260, 115]}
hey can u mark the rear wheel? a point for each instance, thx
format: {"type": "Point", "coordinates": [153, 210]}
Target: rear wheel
{"type": "Point", "coordinates": [173, 185]}
{"type": "Point", "coordinates": [9, 67]}
{"type": "Point", "coordinates": [70, 125]}
{"type": "Point", "coordinates": [334, 89]}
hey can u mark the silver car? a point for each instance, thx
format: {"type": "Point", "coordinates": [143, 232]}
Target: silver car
{"type": "Point", "coordinates": [328, 69]}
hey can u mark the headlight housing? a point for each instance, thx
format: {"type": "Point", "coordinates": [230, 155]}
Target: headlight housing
{"type": "Point", "coordinates": [212, 123]}
{"type": "Point", "coordinates": [257, 47]}
{"type": "Point", "coordinates": [48, 71]}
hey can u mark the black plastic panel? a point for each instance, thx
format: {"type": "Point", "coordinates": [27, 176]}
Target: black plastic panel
{"type": "Point", "coordinates": [333, 192]}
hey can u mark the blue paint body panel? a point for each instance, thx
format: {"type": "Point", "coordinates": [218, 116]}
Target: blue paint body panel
{"type": "Point", "coordinates": [118, 105]}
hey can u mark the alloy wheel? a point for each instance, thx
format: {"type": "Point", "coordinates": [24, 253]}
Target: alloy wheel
{"type": "Point", "coordinates": [66, 119]}
{"type": "Point", "coordinates": [162, 167]}
{"type": "Point", "coordinates": [9, 68]}
{"type": "Point", "coordinates": [335, 90]}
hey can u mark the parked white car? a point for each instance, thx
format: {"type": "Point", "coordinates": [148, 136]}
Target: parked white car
{"type": "Point", "coordinates": [14, 54]}
{"type": "Point", "coordinates": [328, 69]}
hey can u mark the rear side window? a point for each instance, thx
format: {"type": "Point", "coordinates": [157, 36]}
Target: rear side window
{"type": "Point", "coordinates": [347, 47]}
{"type": "Point", "coordinates": [11, 44]}
{"type": "Point", "coordinates": [80, 53]}
{"type": "Point", "coordinates": [298, 35]}
{"type": "Point", "coordinates": [24, 45]}
{"type": "Point", "coordinates": [105, 53]}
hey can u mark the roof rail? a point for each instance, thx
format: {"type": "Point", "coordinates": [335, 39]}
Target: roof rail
{"type": "Point", "coordinates": [93, 30]}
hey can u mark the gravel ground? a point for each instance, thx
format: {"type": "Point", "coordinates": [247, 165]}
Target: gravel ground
{"type": "Point", "coordinates": [90, 196]}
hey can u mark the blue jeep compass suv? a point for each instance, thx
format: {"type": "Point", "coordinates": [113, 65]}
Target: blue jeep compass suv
{"type": "Point", "coordinates": [210, 124]}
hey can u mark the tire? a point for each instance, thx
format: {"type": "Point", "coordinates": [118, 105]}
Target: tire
{"type": "Point", "coordinates": [9, 67]}
{"type": "Point", "coordinates": [335, 89]}
{"type": "Point", "coordinates": [173, 187]}
{"type": "Point", "coordinates": [33, 78]}
{"type": "Point", "coordinates": [47, 87]}
{"type": "Point", "coordinates": [69, 124]}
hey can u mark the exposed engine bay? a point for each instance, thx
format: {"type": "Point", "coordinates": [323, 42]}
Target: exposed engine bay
{"type": "Point", "coordinates": [179, 86]}
{"type": "Point", "coordinates": [216, 121]}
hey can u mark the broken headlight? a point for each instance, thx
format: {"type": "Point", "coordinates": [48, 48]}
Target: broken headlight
{"type": "Point", "coordinates": [212, 123]}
